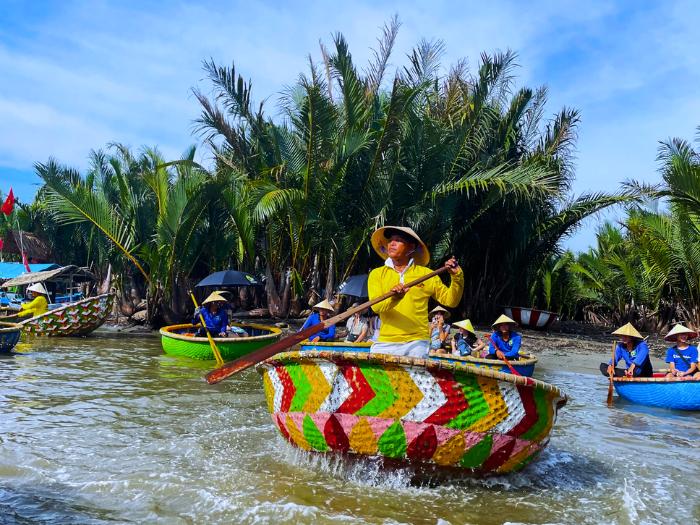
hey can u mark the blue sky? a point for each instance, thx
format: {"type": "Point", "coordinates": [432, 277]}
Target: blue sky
{"type": "Point", "coordinates": [76, 75]}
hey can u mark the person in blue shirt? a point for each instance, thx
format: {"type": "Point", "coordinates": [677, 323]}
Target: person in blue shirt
{"type": "Point", "coordinates": [466, 342]}
{"type": "Point", "coordinates": [213, 310]}
{"type": "Point", "coordinates": [633, 350]}
{"type": "Point", "coordinates": [321, 312]}
{"type": "Point", "coordinates": [505, 341]}
{"type": "Point", "coordinates": [682, 358]}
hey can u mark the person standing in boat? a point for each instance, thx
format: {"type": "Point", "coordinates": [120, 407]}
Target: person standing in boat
{"type": "Point", "coordinates": [633, 350]}
{"type": "Point", "coordinates": [213, 311]}
{"type": "Point", "coordinates": [504, 341]}
{"type": "Point", "coordinates": [466, 342]}
{"type": "Point", "coordinates": [320, 313]}
{"type": "Point", "coordinates": [682, 358]}
{"type": "Point", "coordinates": [404, 317]}
{"type": "Point", "coordinates": [439, 329]}
{"type": "Point", "coordinates": [39, 303]}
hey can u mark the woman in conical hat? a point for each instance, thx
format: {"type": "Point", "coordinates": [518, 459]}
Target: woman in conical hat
{"type": "Point", "coordinates": [321, 312]}
{"type": "Point", "coordinates": [505, 341]}
{"type": "Point", "coordinates": [213, 312]}
{"type": "Point", "coordinates": [682, 358]}
{"type": "Point", "coordinates": [39, 303]}
{"type": "Point", "coordinates": [439, 329]}
{"type": "Point", "coordinates": [633, 350]}
{"type": "Point", "coordinates": [466, 342]}
{"type": "Point", "coordinates": [404, 317]}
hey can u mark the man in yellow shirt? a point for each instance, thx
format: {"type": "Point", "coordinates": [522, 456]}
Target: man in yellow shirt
{"type": "Point", "coordinates": [38, 305]}
{"type": "Point", "coordinates": [404, 317]}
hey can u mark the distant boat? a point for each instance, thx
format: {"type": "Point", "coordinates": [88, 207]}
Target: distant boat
{"type": "Point", "coordinates": [9, 335]}
{"type": "Point", "coordinates": [524, 365]}
{"type": "Point", "coordinates": [531, 317]}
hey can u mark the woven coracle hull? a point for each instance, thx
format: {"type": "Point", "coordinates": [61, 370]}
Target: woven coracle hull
{"type": "Point", "coordinates": [9, 335]}
{"type": "Point", "coordinates": [338, 346]}
{"type": "Point", "coordinates": [531, 317]}
{"type": "Point", "coordinates": [75, 319]}
{"type": "Point", "coordinates": [660, 392]}
{"type": "Point", "coordinates": [414, 410]}
{"type": "Point", "coordinates": [525, 365]}
{"type": "Point", "coordinates": [177, 344]}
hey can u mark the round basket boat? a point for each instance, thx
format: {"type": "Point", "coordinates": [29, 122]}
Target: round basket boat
{"type": "Point", "coordinates": [179, 340]}
{"type": "Point", "coordinates": [422, 411]}
{"type": "Point", "coordinates": [524, 365]}
{"type": "Point", "coordinates": [531, 317]}
{"type": "Point", "coordinates": [73, 319]}
{"type": "Point", "coordinates": [674, 393]}
{"type": "Point", "coordinates": [9, 335]}
{"type": "Point", "coordinates": [335, 346]}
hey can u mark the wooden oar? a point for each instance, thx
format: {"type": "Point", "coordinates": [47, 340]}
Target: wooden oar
{"type": "Point", "coordinates": [214, 348]}
{"type": "Point", "coordinates": [610, 385]}
{"type": "Point", "coordinates": [253, 358]}
{"type": "Point", "coordinates": [513, 370]}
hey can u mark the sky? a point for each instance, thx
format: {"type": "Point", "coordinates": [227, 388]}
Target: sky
{"type": "Point", "coordinates": [78, 75]}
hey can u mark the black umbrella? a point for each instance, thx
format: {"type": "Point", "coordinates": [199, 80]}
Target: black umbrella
{"type": "Point", "coordinates": [229, 278]}
{"type": "Point", "coordinates": [355, 285]}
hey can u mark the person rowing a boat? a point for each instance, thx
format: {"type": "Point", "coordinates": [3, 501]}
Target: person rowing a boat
{"type": "Point", "coordinates": [213, 310]}
{"type": "Point", "coordinates": [682, 358]}
{"type": "Point", "coordinates": [320, 313]}
{"type": "Point", "coordinates": [404, 317]}
{"type": "Point", "coordinates": [39, 303]}
{"type": "Point", "coordinates": [633, 350]}
{"type": "Point", "coordinates": [504, 341]}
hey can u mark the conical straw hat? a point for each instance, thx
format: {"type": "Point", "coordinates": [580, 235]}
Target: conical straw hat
{"type": "Point", "coordinates": [466, 324]}
{"type": "Point", "coordinates": [38, 288]}
{"type": "Point", "coordinates": [628, 330]}
{"type": "Point", "coordinates": [214, 297]}
{"type": "Point", "coordinates": [379, 242]}
{"type": "Point", "coordinates": [324, 305]}
{"type": "Point", "coordinates": [504, 319]}
{"type": "Point", "coordinates": [445, 313]}
{"type": "Point", "coordinates": [680, 329]}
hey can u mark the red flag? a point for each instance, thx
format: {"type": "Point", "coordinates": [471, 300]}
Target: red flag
{"type": "Point", "coordinates": [26, 263]}
{"type": "Point", "coordinates": [9, 203]}
{"type": "Point", "coordinates": [2, 243]}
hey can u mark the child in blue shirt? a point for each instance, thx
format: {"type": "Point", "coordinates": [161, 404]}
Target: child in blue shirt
{"type": "Point", "coordinates": [682, 358]}
{"type": "Point", "coordinates": [505, 341]}
{"type": "Point", "coordinates": [633, 350]}
{"type": "Point", "coordinates": [466, 342]}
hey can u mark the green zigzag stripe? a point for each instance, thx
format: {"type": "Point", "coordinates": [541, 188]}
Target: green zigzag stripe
{"type": "Point", "coordinates": [302, 385]}
{"type": "Point", "coordinates": [478, 407]}
{"type": "Point", "coordinates": [477, 454]}
{"type": "Point", "coordinates": [313, 435]}
{"type": "Point", "coordinates": [392, 444]}
{"type": "Point", "coordinates": [385, 396]}
{"type": "Point", "coordinates": [540, 396]}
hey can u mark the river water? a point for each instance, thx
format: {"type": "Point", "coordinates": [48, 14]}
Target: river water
{"type": "Point", "coordinates": [108, 430]}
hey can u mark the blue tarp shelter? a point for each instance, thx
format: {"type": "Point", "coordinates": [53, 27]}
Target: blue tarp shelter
{"type": "Point", "coordinates": [10, 270]}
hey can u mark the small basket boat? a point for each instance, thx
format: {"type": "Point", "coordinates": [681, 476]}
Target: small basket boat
{"type": "Point", "coordinates": [659, 391]}
{"type": "Point", "coordinates": [524, 365]}
{"type": "Point", "coordinates": [335, 346]}
{"type": "Point", "coordinates": [421, 411]}
{"type": "Point", "coordinates": [531, 317]}
{"type": "Point", "coordinates": [73, 319]}
{"type": "Point", "coordinates": [179, 340]}
{"type": "Point", "coordinates": [9, 335]}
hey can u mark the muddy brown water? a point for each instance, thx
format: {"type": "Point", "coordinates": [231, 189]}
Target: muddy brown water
{"type": "Point", "coordinates": [107, 430]}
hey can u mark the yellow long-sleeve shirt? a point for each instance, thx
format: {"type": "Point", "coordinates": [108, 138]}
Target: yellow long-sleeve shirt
{"type": "Point", "coordinates": [406, 319]}
{"type": "Point", "coordinates": [37, 306]}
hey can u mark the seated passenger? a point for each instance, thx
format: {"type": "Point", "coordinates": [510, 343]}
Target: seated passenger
{"type": "Point", "coordinates": [439, 330]}
{"type": "Point", "coordinates": [375, 323]}
{"type": "Point", "coordinates": [357, 327]}
{"type": "Point", "coordinates": [466, 342]}
{"type": "Point", "coordinates": [505, 341]}
{"type": "Point", "coordinates": [682, 358]}
{"type": "Point", "coordinates": [213, 311]}
{"type": "Point", "coordinates": [633, 350]}
{"type": "Point", "coordinates": [321, 312]}
{"type": "Point", "coordinates": [39, 303]}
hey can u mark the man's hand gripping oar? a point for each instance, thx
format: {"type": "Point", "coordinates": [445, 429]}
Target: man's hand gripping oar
{"type": "Point", "coordinates": [240, 364]}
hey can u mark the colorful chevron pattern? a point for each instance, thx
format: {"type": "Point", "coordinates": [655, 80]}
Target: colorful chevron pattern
{"type": "Point", "coordinates": [74, 319]}
{"type": "Point", "coordinates": [409, 409]}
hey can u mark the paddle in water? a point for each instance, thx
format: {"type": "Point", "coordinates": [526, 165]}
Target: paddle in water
{"type": "Point", "coordinates": [253, 358]}
{"type": "Point", "coordinates": [214, 348]}
{"type": "Point", "coordinates": [610, 384]}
